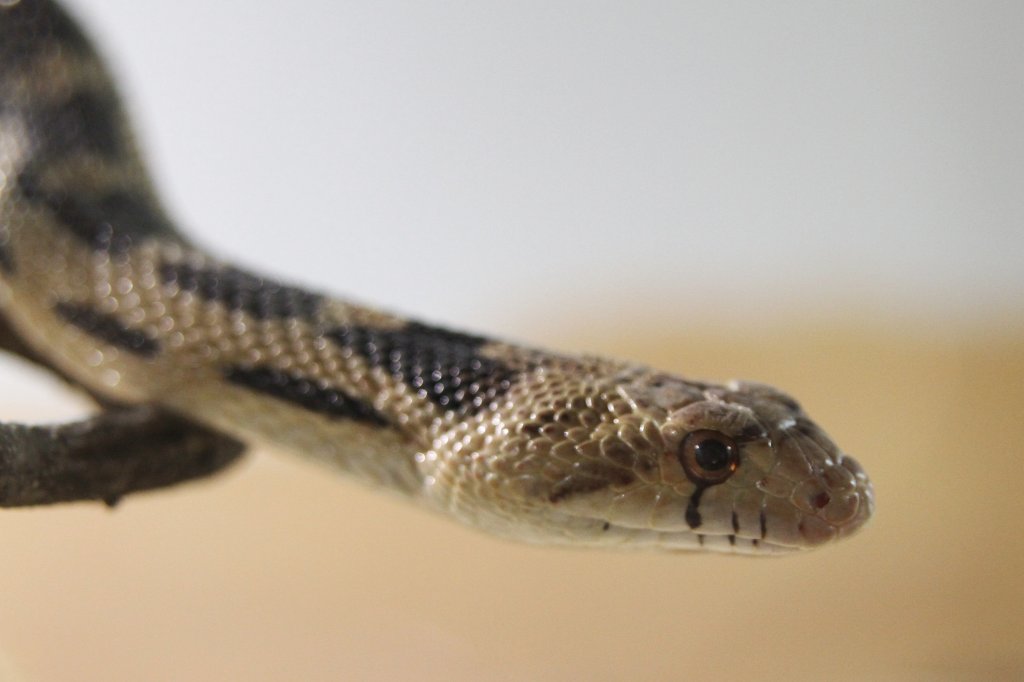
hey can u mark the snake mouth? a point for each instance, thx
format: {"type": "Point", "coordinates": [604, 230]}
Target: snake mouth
{"type": "Point", "coordinates": [627, 537]}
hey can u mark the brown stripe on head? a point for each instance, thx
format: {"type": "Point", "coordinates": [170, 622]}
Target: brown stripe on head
{"type": "Point", "coordinates": [589, 482]}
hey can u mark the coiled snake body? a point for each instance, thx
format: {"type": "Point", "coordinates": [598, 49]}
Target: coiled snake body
{"type": "Point", "coordinates": [96, 283]}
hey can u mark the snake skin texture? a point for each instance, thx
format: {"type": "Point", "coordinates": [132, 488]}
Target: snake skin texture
{"type": "Point", "coordinates": [518, 442]}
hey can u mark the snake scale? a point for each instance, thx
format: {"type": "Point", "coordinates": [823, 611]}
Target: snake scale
{"type": "Point", "coordinates": [96, 282]}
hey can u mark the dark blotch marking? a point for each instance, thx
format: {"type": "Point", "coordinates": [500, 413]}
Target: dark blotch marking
{"type": "Point", "coordinates": [693, 518]}
{"type": "Point", "coordinates": [443, 366]}
{"type": "Point", "coordinates": [107, 328]}
{"type": "Point", "coordinates": [237, 290]}
{"type": "Point", "coordinates": [87, 122]}
{"type": "Point", "coordinates": [732, 540]}
{"type": "Point", "coordinates": [821, 500]}
{"type": "Point", "coordinates": [764, 523]}
{"type": "Point", "coordinates": [735, 523]}
{"type": "Point", "coordinates": [111, 222]}
{"type": "Point", "coordinates": [32, 26]}
{"type": "Point", "coordinates": [700, 539]}
{"type": "Point", "coordinates": [606, 526]}
{"type": "Point", "coordinates": [307, 394]}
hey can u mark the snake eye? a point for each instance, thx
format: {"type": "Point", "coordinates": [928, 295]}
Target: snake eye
{"type": "Point", "coordinates": [708, 456]}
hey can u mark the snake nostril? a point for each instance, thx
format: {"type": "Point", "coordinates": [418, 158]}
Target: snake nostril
{"type": "Point", "coordinates": [821, 500]}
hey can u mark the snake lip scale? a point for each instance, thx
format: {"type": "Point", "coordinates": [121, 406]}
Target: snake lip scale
{"type": "Point", "coordinates": [98, 284]}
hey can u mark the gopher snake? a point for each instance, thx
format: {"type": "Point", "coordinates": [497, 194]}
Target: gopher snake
{"type": "Point", "coordinates": [98, 285]}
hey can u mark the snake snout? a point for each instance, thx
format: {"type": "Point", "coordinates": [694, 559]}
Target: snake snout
{"type": "Point", "coordinates": [860, 502]}
{"type": "Point", "coordinates": [835, 503]}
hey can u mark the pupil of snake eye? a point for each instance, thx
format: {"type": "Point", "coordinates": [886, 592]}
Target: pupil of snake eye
{"type": "Point", "coordinates": [712, 454]}
{"type": "Point", "coordinates": [708, 457]}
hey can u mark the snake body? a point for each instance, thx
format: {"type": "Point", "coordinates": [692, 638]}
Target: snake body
{"type": "Point", "coordinates": [520, 442]}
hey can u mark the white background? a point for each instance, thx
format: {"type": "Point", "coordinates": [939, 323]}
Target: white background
{"type": "Point", "coordinates": [497, 165]}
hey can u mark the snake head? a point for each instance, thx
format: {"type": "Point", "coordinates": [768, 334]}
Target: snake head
{"type": "Point", "coordinates": [762, 475]}
{"type": "Point", "coordinates": [646, 459]}
{"type": "Point", "coordinates": [737, 468]}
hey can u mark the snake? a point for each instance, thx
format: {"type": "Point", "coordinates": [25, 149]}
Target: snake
{"type": "Point", "coordinates": [97, 282]}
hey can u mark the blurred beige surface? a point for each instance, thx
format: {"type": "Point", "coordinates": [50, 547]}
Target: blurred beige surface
{"type": "Point", "coordinates": [280, 570]}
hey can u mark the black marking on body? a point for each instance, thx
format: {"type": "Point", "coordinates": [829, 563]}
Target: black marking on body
{"type": "Point", "coordinates": [30, 26]}
{"type": "Point", "coordinates": [86, 122]}
{"type": "Point", "coordinates": [114, 221]}
{"type": "Point", "coordinates": [764, 523]}
{"type": "Point", "coordinates": [309, 395]}
{"type": "Point", "coordinates": [443, 366]}
{"type": "Point", "coordinates": [237, 290]}
{"type": "Point", "coordinates": [693, 518]}
{"type": "Point", "coordinates": [107, 328]}
{"type": "Point", "coordinates": [735, 523]}
{"type": "Point", "coordinates": [732, 540]}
